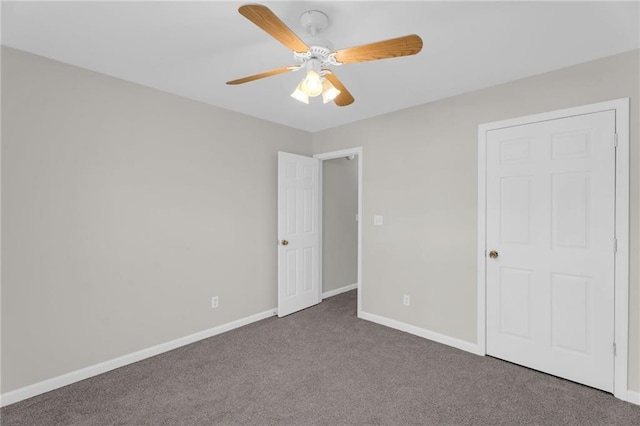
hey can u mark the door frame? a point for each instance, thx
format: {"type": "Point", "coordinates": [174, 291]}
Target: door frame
{"type": "Point", "coordinates": [330, 156]}
{"type": "Point", "coordinates": [621, 268]}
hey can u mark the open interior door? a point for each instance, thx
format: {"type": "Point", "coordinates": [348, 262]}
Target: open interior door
{"type": "Point", "coordinates": [298, 233]}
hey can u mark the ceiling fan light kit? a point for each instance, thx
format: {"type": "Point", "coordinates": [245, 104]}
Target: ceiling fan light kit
{"type": "Point", "coordinates": [314, 84]}
{"type": "Point", "coordinates": [316, 59]}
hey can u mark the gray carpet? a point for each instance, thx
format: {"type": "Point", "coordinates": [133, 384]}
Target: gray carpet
{"type": "Point", "coordinates": [321, 366]}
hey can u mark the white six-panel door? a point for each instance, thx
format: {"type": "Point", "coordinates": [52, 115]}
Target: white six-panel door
{"type": "Point", "coordinates": [298, 233]}
{"type": "Point", "coordinates": [550, 220]}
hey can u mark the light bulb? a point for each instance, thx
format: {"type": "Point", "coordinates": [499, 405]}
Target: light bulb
{"type": "Point", "coordinates": [311, 85]}
{"type": "Point", "coordinates": [299, 95]}
{"type": "Point", "coordinates": [329, 92]}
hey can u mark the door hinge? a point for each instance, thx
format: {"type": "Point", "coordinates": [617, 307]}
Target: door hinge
{"type": "Point", "coordinates": [615, 140]}
{"type": "Point", "coordinates": [615, 245]}
{"type": "Point", "coordinates": [615, 349]}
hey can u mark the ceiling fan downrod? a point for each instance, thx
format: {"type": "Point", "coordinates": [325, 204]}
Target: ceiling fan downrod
{"type": "Point", "coordinates": [314, 22]}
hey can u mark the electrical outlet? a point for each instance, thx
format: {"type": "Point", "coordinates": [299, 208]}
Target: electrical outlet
{"type": "Point", "coordinates": [377, 220]}
{"type": "Point", "coordinates": [214, 302]}
{"type": "Point", "coordinates": [406, 300]}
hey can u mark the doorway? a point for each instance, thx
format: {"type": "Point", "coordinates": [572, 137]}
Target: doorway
{"type": "Point", "coordinates": [341, 165]}
{"type": "Point", "coordinates": [339, 225]}
{"type": "Point", "coordinates": [300, 229]}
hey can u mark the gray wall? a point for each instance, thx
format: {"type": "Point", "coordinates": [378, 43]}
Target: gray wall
{"type": "Point", "coordinates": [339, 226]}
{"type": "Point", "coordinates": [420, 173]}
{"type": "Point", "coordinates": [124, 210]}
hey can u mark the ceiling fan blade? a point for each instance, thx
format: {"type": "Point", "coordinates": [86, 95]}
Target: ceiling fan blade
{"type": "Point", "coordinates": [262, 75]}
{"type": "Point", "coordinates": [263, 17]}
{"type": "Point", "coordinates": [401, 46]}
{"type": "Point", "coordinates": [344, 98]}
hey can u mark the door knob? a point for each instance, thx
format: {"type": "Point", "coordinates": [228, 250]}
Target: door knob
{"type": "Point", "coordinates": [285, 242]}
{"type": "Point", "coordinates": [493, 254]}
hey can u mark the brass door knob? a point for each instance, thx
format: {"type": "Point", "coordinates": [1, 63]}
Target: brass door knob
{"type": "Point", "coordinates": [285, 242]}
{"type": "Point", "coordinates": [493, 254]}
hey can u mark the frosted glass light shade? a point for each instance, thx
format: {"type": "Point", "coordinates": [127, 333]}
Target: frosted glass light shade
{"type": "Point", "coordinates": [299, 95]}
{"type": "Point", "coordinates": [329, 92]}
{"type": "Point", "coordinates": [312, 84]}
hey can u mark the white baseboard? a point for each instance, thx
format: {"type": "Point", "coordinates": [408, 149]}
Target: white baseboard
{"type": "Point", "coordinates": [339, 290]}
{"type": "Point", "coordinates": [633, 397]}
{"type": "Point", "coordinates": [103, 367]}
{"type": "Point", "coordinates": [427, 334]}
{"type": "Point", "coordinates": [93, 370]}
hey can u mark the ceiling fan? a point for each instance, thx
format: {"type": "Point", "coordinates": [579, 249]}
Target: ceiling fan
{"type": "Point", "coordinates": [318, 55]}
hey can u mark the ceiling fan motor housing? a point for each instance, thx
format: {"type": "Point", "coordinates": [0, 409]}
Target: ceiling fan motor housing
{"type": "Point", "coordinates": [318, 41]}
{"type": "Point", "coordinates": [319, 53]}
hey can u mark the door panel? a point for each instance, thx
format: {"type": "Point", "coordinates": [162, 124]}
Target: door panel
{"type": "Point", "coordinates": [571, 312]}
{"type": "Point", "coordinates": [550, 216]}
{"type": "Point", "coordinates": [515, 316]}
{"type": "Point", "coordinates": [570, 194]}
{"type": "Point", "coordinates": [515, 196]}
{"type": "Point", "coordinates": [298, 209]}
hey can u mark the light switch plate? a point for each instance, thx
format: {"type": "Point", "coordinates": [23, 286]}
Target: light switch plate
{"type": "Point", "coordinates": [377, 220]}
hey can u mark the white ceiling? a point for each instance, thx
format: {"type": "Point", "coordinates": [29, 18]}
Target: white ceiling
{"type": "Point", "coordinates": [193, 48]}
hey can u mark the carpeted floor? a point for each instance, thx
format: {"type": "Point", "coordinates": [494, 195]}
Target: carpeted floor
{"type": "Point", "coordinates": [321, 366]}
